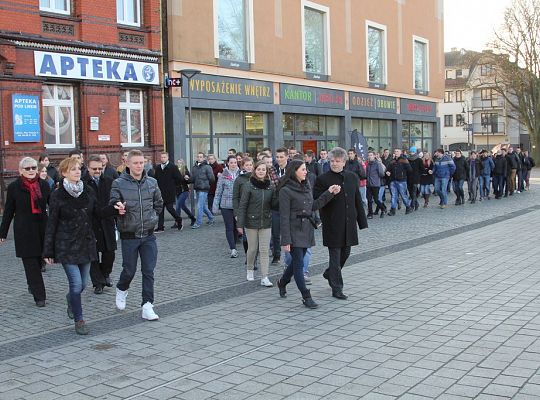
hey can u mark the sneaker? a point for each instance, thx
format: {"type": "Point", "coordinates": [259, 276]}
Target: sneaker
{"type": "Point", "coordinates": [210, 222]}
{"type": "Point", "coordinates": [81, 328]}
{"type": "Point", "coordinates": [234, 253]}
{"type": "Point", "coordinates": [121, 296]}
{"type": "Point", "coordinates": [159, 230]}
{"type": "Point", "coordinates": [195, 226]}
{"type": "Point", "coordinates": [193, 220]}
{"type": "Point", "coordinates": [307, 279]}
{"type": "Point", "coordinates": [266, 282]}
{"type": "Point", "coordinates": [148, 312]}
{"type": "Point", "coordinates": [250, 275]}
{"type": "Point", "coordinates": [180, 227]}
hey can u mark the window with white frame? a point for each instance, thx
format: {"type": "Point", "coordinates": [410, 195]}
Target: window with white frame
{"type": "Point", "coordinates": [234, 29]}
{"type": "Point", "coordinates": [131, 117]}
{"type": "Point", "coordinates": [55, 6]}
{"type": "Point", "coordinates": [316, 40]}
{"type": "Point", "coordinates": [459, 96]}
{"type": "Point", "coordinates": [128, 12]}
{"type": "Point", "coordinates": [420, 63]}
{"type": "Point", "coordinates": [376, 52]}
{"type": "Point", "coordinates": [58, 116]}
{"type": "Point", "coordinates": [448, 96]}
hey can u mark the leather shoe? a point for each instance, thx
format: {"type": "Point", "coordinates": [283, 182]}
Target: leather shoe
{"type": "Point", "coordinates": [40, 303]}
{"type": "Point", "coordinates": [282, 289]}
{"type": "Point", "coordinates": [108, 282]}
{"type": "Point", "coordinates": [98, 290]}
{"type": "Point", "coordinates": [340, 295]}
{"type": "Point", "coordinates": [309, 303]}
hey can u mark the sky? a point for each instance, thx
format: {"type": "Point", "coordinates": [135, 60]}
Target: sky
{"type": "Point", "coordinates": [470, 24]}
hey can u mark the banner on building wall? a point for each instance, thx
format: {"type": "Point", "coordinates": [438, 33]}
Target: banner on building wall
{"type": "Point", "coordinates": [26, 124]}
{"type": "Point", "coordinates": [359, 143]}
{"type": "Point", "coordinates": [295, 95]}
{"type": "Point", "coordinates": [78, 66]}
{"type": "Point", "coordinates": [372, 102]}
{"type": "Point", "coordinates": [214, 87]}
{"type": "Point", "coordinates": [418, 107]}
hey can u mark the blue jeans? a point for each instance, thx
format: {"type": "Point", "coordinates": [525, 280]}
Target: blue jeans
{"type": "Point", "coordinates": [146, 248]}
{"type": "Point", "coordinates": [458, 188]}
{"type": "Point", "coordinates": [296, 268]}
{"type": "Point", "coordinates": [381, 194]}
{"type": "Point", "coordinates": [181, 205]}
{"type": "Point", "coordinates": [363, 195]}
{"type": "Point", "coordinates": [78, 275]}
{"type": "Point", "coordinates": [307, 259]}
{"type": "Point", "coordinates": [484, 182]}
{"type": "Point", "coordinates": [202, 207]}
{"type": "Point", "coordinates": [441, 188]}
{"type": "Point", "coordinates": [425, 190]}
{"type": "Point", "coordinates": [399, 188]}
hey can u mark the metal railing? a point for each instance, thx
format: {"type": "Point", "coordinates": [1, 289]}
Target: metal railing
{"type": "Point", "coordinates": [491, 128]}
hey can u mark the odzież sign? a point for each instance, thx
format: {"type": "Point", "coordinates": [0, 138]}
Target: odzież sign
{"type": "Point", "coordinates": [76, 66]}
{"type": "Point", "coordinates": [372, 102]}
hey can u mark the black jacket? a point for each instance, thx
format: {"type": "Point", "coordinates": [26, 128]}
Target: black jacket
{"type": "Point", "coordinates": [314, 168]}
{"type": "Point", "coordinates": [238, 186]}
{"type": "Point", "coordinates": [344, 212]}
{"type": "Point", "coordinates": [513, 161]}
{"type": "Point", "coordinates": [426, 178]}
{"type": "Point", "coordinates": [501, 165]}
{"type": "Point", "coordinates": [104, 228]}
{"type": "Point", "coordinates": [462, 171]}
{"type": "Point", "coordinates": [110, 172]}
{"type": "Point", "coordinates": [356, 168]}
{"type": "Point", "coordinates": [417, 167]}
{"type": "Point", "coordinates": [399, 169]}
{"type": "Point", "coordinates": [257, 200]}
{"type": "Point", "coordinates": [477, 168]}
{"type": "Point", "coordinates": [28, 228]}
{"type": "Point", "coordinates": [202, 177]}
{"type": "Point", "coordinates": [168, 179]}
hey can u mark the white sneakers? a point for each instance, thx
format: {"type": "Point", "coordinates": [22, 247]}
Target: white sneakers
{"type": "Point", "coordinates": [266, 282]}
{"type": "Point", "coordinates": [250, 275]}
{"type": "Point", "coordinates": [234, 253]}
{"type": "Point", "coordinates": [148, 312]}
{"type": "Point", "coordinates": [121, 299]}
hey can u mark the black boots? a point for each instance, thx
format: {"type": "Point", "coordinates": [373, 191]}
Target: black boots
{"type": "Point", "coordinates": [308, 301]}
{"type": "Point", "coordinates": [282, 288]}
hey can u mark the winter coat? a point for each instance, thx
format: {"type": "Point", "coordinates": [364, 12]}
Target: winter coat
{"type": "Point", "coordinates": [143, 205]}
{"type": "Point", "coordinates": [444, 167]}
{"type": "Point", "coordinates": [512, 160]}
{"type": "Point", "coordinates": [477, 165]}
{"type": "Point", "coordinates": [417, 167]}
{"type": "Point", "coordinates": [52, 172]}
{"type": "Point", "coordinates": [462, 171]}
{"type": "Point", "coordinates": [217, 169]}
{"type": "Point", "coordinates": [426, 178]}
{"type": "Point", "coordinates": [344, 212]}
{"type": "Point", "coordinates": [224, 190]}
{"type": "Point", "coordinates": [487, 166]}
{"type": "Point", "coordinates": [110, 172]}
{"type": "Point", "coordinates": [238, 186]}
{"type": "Point", "coordinates": [375, 172]}
{"type": "Point", "coordinates": [501, 166]}
{"type": "Point", "coordinates": [296, 205]}
{"type": "Point", "coordinates": [168, 178]}
{"type": "Point", "coordinates": [202, 177]}
{"type": "Point", "coordinates": [314, 167]}
{"type": "Point", "coordinates": [399, 169]}
{"type": "Point", "coordinates": [104, 228]}
{"type": "Point", "coordinates": [69, 237]}
{"type": "Point", "coordinates": [28, 228]}
{"type": "Point", "coordinates": [256, 203]}
{"type": "Point", "coordinates": [529, 163]}
{"type": "Point", "coordinates": [325, 165]}
{"type": "Point", "coordinates": [356, 168]}
{"type": "Point", "coordinates": [183, 185]}
{"type": "Point", "coordinates": [523, 161]}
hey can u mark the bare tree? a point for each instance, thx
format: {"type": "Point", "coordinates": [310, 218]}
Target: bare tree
{"type": "Point", "coordinates": [516, 60]}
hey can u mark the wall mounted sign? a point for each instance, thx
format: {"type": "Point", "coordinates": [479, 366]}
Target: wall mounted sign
{"type": "Point", "coordinates": [295, 95]}
{"type": "Point", "coordinates": [26, 123]}
{"type": "Point", "coordinates": [372, 102]}
{"type": "Point", "coordinates": [225, 88]}
{"type": "Point", "coordinates": [418, 107]}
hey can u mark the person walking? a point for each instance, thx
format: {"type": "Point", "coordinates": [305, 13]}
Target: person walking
{"type": "Point", "coordinates": [426, 178]}
{"type": "Point", "coordinates": [375, 172]}
{"type": "Point", "coordinates": [474, 166]}
{"type": "Point", "coordinates": [202, 177]}
{"type": "Point", "coordinates": [43, 174]}
{"type": "Point", "coordinates": [168, 178]}
{"type": "Point", "coordinates": [26, 206]}
{"type": "Point", "coordinates": [459, 177]}
{"type": "Point", "coordinates": [413, 178]}
{"type": "Point", "coordinates": [280, 169]}
{"type": "Point", "coordinates": [258, 198]}
{"type": "Point", "coordinates": [217, 170]}
{"type": "Point", "coordinates": [142, 200]}
{"type": "Point", "coordinates": [443, 169]}
{"type": "Point", "coordinates": [52, 172]}
{"type": "Point", "coordinates": [223, 201]}
{"type": "Point", "coordinates": [340, 217]}
{"type": "Point", "coordinates": [397, 171]}
{"type": "Point", "coordinates": [484, 181]}
{"type": "Point", "coordinates": [499, 173]}
{"type": "Point", "coordinates": [296, 204]}
{"type": "Point", "coordinates": [529, 162]}
{"type": "Point", "coordinates": [243, 179]}
{"type": "Point", "coordinates": [514, 165]}
{"type": "Point", "coordinates": [182, 192]}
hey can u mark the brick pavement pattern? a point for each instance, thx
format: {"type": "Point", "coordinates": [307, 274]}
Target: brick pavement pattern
{"type": "Point", "coordinates": [453, 315]}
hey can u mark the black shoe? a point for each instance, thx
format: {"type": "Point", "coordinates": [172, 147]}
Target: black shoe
{"type": "Point", "coordinates": [159, 230]}
{"type": "Point", "coordinates": [473, 201]}
{"type": "Point", "coordinates": [174, 226]}
{"type": "Point", "coordinates": [180, 227]}
{"type": "Point", "coordinates": [408, 210]}
{"type": "Point", "coordinates": [340, 295]}
{"type": "Point", "coordinates": [40, 303]}
{"type": "Point", "coordinates": [309, 303]}
{"type": "Point", "coordinates": [457, 203]}
{"type": "Point", "coordinates": [255, 268]}
{"type": "Point", "coordinates": [98, 290]}
{"type": "Point", "coordinates": [325, 275]}
{"type": "Point", "coordinates": [275, 260]}
{"type": "Point", "coordinates": [383, 212]}
{"type": "Point", "coordinates": [29, 290]}
{"type": "Point", "coordinates": [282, 289]}
{"type": "Point", "coordinates": [108, 282]}
{"type": "Point", "coordinates": [392, 212]}
{"type": "Point", "coordinates": [506, 195]}
{"type": "Point", "coordinates": [193, 220]}
{"type": "Point", "coordinates": [69, 309]}
{"type": "Point", "coordinates": [416, 206]}
{"type": "Point", "coordinates": [370, 216]}
{"type": "Point", "coordinates": [43, 268]}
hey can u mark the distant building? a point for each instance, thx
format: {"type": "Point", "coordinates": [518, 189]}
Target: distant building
{"type": "Point", "coordinates": [472, 113]}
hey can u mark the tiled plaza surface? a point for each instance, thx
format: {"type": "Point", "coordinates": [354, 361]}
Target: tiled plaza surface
{"type": "Point", "coordinates": [443, 304]}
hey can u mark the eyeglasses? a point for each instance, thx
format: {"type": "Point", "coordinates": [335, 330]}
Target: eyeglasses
{"type": "Point", "coordinates": [32, 168]}
{"type": "Point", "coordinates": [97, 169]}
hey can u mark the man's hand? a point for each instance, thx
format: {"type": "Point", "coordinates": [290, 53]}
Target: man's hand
{"type": "Point", "coordinates": [286, 248]}
{"type": "Point", "coordinates": [49, 261]}
{"type": "Point", "coordinates": [121, 207]}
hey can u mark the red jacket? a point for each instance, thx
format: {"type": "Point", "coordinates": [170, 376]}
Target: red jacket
{"type": "Point", "coordinates": [217, 168]}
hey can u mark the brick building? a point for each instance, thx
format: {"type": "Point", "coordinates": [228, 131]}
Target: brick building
{"type": "Point", "coordinates": [79, 74]}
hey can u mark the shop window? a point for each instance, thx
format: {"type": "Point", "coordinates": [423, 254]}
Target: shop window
{"type": "Point", "coordinates": [418, 134]}
{"type": "Point", "coordinates": [378, 133]}
{"type": "Point", "coordinates": [58, 116]}
{"type": "Point", "coordinates": [227, 123]}
{"type": "Point", "coordinates": [420, 62]}
{"type": "Point", "coordinates": [55, 6]}
{"type": "Point", "coordinates": [316, 21]}
{"type": "Point", "coordinates": [234, 30]}
{"type": "Point", "coordinates": [313, 125]}
{"type": "Point", "coordinates": [131, 117]}
{"type": "Point", "coordinates": [376, 48]}
{"type": "Point", "coordinates": [128, 12]}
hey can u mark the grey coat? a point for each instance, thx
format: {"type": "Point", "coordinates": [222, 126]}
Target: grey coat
{"type": "Point", "coordinates": [202, 177]}
{"type": "Point", "coordinates": [295, 204]}
{"type": "Point", "coordinates": [375, 172]}
{"type": "Point", "coordinates": [256, 202]}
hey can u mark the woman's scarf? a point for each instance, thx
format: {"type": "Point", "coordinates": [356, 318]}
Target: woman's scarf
{"type": "Point", "coordinates": [32, 185]}
{"type": "Point", "coordinates": [74, 189]}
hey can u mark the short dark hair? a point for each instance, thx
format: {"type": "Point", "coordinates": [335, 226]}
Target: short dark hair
{"type": "Point", "coordinates": [309, 153]}
{"type": "Point", "coordinates": [134, 153]}
{"type": "Point", "coordinates": [282, 150]}
{"type": "Point", "coordinates": [439, 150]}
{"type": "Point", "coordinates": [353, 150]}
{"type": "Point", "coordinates": [94, 157]}
{"type": "Point", "coordinates": [233, 150]}
{"type": "Point", "coordinates": [74, 152]}
{"type": "Point", "coordinates": [43, 156]}
{"type": "Point", "coordinates": [267, 149]}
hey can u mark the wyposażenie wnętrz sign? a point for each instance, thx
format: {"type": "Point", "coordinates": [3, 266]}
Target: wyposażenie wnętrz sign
{"type": "Point", "coordinates": [214, 87]}
{"type": "Point", "coordinates": [78, 66]}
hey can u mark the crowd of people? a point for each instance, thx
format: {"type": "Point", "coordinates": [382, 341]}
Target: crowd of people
{"type": "Point", "coordinates": [74, 214]}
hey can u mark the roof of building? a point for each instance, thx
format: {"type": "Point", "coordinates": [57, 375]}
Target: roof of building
{"type": "Point", "coordinates": [460, 58]}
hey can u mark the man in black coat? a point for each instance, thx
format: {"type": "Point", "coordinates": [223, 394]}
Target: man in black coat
{"type": "Point", "coordinates": [340, 217]}
{"type": "Point", "coordinates": [168, 177]}
{"type": "Point", "coordinates": [104, 228]}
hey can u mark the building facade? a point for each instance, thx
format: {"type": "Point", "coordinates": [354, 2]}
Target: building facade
{"type": "Point", "coordinates": [473, 115]}
{"type": "Point", "coordinates": [79, 74]}
{"type": "Point", "coordinates": [309, 74]}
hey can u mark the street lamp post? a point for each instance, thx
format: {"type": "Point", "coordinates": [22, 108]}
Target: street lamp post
{"type": "Point", "coordinates": [468, 127]}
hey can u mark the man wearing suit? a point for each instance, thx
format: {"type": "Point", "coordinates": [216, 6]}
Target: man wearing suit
{"type": "Point", "coordinates": [168, 177]}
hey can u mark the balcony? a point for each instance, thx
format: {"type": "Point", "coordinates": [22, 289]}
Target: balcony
{"type": "Point", "coordinates": [479, 103]}
{"type": "Point", "coordinates": [495, 128]}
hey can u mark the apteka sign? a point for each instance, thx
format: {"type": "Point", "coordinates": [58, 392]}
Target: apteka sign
{"type": "Point", "coordinates": [76, 66]}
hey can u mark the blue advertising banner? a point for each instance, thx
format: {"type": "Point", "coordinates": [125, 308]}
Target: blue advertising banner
{"type": "Point", "coordinates": [26, 126]}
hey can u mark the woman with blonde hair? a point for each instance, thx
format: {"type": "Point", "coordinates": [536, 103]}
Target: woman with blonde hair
{"type": "Point", "coordinates": [426, 178]}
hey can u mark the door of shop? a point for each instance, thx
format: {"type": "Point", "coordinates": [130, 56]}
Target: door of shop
{"type": "Point", "coordinates": [316, 146]}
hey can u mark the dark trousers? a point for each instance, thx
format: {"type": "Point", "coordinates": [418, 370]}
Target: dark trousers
{"type": "Point", "coordinates": [146, 248]}
{"type": "Point", "coordinates": [296, 268]}
{"type": "Point", "coordinates": [413, 193]}
{"type": "Point", "coordinates": [101, 269]}
{"type": "Point", "coordinates": [230, 227]}
{"type": "Point", "coordinates": [276, 244]}
{"type": "Point", "coordinates": [337, 258]}
{"type": "Point", "coordinates": [172, 211]}
{"type": "Point", "coordinates": [34, 278]}
{"type": "Point", "coordinates": [373, 196]}
{"type": "Point", "coordinates": [498, 185]}
{"type": "Point", "coordinates": [210, 199]}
